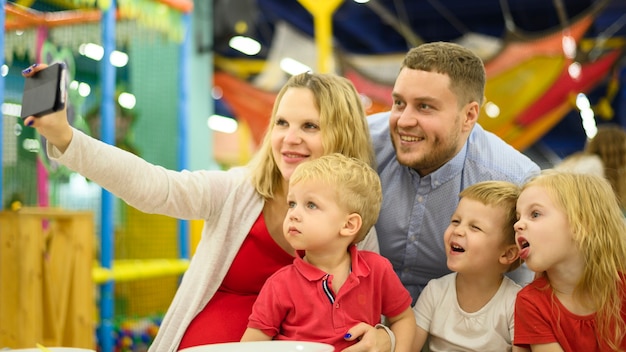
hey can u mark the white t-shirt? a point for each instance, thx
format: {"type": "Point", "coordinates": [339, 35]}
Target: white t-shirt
{"type": "Point", "coordinates": [452, 329]}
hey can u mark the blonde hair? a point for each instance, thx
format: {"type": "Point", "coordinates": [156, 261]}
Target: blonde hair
{"type": "Point", "coordinates": [465, 69]}
{"type": "Point", "coordinates": [501, 194]}
{"type": "Point", "coordinates": [343, 127]}
{"type": "Point", "coordinates": [357, 185]}
{"type": "Point", "coordinates": [610, 145]}
{"type": "Point", "coordinates": [598, 229]}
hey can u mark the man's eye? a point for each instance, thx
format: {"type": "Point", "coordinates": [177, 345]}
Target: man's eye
{"type": "Point", "coordinates": [398, 103]}
{"type": "Point", "coordinates": [423, 106]}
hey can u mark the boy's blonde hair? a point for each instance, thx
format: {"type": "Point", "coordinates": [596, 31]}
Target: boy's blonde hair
{"type": "Point", "coordinates": [357, 185]}
{"type": "Point", "coordinates": [501, 194]}
{"type": "Point", "coordinates": [343, 126]}
{"type": "Point", "coordinates": [598, 229]}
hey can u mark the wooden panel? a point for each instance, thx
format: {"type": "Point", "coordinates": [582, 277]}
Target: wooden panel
{"type": "Point", "coordinates": [46, 290]}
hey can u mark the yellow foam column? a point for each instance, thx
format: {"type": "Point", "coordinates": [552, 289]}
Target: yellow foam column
{"type": "Point", "coordinates": [244, 137]}
{"type": "Point", "coordinates": [322, 12]}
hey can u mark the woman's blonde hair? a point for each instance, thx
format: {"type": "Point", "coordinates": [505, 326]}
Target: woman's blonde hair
{"type": "Point", "coordinates": [343, 126]}
{"type": "Point", "coordinates": [598, 228]}
{"type": "Point", "coordinates": [610, 145]}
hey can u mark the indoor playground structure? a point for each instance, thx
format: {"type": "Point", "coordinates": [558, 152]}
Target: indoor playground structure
{"type": "Point", "coordinates": [61, 283]}
{"type": "Point", "coordinates": [79, 267]}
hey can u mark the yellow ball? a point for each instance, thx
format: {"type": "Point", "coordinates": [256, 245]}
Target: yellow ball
{"type": "Point", "coordinates": [16, 205]}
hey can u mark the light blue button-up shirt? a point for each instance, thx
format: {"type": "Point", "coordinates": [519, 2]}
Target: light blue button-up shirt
{"type": "Point", "coordinates": [417, 210]}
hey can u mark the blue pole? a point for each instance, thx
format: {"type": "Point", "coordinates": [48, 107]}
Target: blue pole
{"type": "Point", "coordinates": [2, 19]}
{"type": "Point", "coordinates": [183, 123]}
{"type": "Point", "coordinates": [107, 116]}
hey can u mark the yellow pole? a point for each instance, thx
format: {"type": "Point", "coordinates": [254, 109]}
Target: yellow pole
{"type": "Point", "coordinates": [322, 11]}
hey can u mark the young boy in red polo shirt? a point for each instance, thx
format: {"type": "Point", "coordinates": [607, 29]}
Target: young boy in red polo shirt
{"type": "Point", "coordinates": [331, 286]}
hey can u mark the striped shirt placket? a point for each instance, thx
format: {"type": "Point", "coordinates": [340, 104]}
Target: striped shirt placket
{"type": "Point", "coordinates": [327, 290]}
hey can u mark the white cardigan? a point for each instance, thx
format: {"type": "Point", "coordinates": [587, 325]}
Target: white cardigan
{"type": "Point", "coordinates": [226, 201]}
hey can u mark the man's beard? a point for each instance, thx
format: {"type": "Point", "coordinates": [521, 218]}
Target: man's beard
{"type": "Point", "coordinates": [426, 162]}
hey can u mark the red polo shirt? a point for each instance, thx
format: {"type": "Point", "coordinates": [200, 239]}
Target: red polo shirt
{"type": "Point", "coordinates": [298, 302]}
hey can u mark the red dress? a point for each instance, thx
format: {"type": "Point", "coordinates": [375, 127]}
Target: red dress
{"type": "Point", "coordinates": [225, 317]}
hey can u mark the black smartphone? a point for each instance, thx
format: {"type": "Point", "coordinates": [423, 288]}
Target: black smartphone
{"type": "Point", "coordinates": [44, 92]}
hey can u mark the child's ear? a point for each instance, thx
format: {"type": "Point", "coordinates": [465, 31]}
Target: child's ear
{"type": "Point", "coordinates": [510, 255]}
{"type": "Point", "coordinates": [352, 226]}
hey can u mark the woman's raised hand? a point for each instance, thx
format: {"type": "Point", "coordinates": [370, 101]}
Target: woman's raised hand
{"type": "Point", "coordinates": [55, 126]}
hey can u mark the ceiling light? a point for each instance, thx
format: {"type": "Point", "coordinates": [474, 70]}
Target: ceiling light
{"type": "Point", "coordinates": [569, 46]}
{"type": "Point", "coordinates": [222, 124]}
{"type": "Point", "coordinates": [11, 109]}
{"type": "Point", "coordinates": [293, 67]}
{"type": "Point", "coordinates": [492, 110]}
{"type": "Point", "coordinates": [582, 102]}
{"type": "Point", "coordinates": [84, 89]}
{"type": "Point", "coordinates": [92, 51]}
{"type": "Point", "coordinates": [574, 70]}
{"type": "Point", "coordinates": [246, 45]}
{"type": "Point", "coordinates": [96, 52]}
{"type": "Point", "coordinates": [118, 59]}
{"type": "Point", "coordinates": [587, 115]}
{"type": "Point", "coordinates": [127, 100]}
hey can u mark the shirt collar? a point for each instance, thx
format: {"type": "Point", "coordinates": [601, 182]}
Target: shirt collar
{"type": "Point", "coordinates": [312, 273]}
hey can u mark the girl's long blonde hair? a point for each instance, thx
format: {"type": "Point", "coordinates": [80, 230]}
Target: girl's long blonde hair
{"type": "Point", "coordinates": [599, 229]}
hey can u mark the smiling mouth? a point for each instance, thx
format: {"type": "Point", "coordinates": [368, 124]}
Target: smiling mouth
{"type": "Point", "coordinates": [410, 139]}
{"type": "Point", "coordinates": [457, 248]}
{"type": "Point", "coordinates": [289, 155]}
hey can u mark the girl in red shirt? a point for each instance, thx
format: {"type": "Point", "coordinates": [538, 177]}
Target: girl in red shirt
{"type": "Point", "coordinates": [571, 232]}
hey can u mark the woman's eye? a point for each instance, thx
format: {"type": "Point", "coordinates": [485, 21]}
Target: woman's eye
{"type": "Point", "coordinates": [281, 122]}
{"type": "Point", "coordinates": [310, 126]}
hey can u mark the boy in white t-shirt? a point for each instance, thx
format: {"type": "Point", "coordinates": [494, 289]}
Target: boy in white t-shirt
{"type": "Point", "coordinates": [472, 308]}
